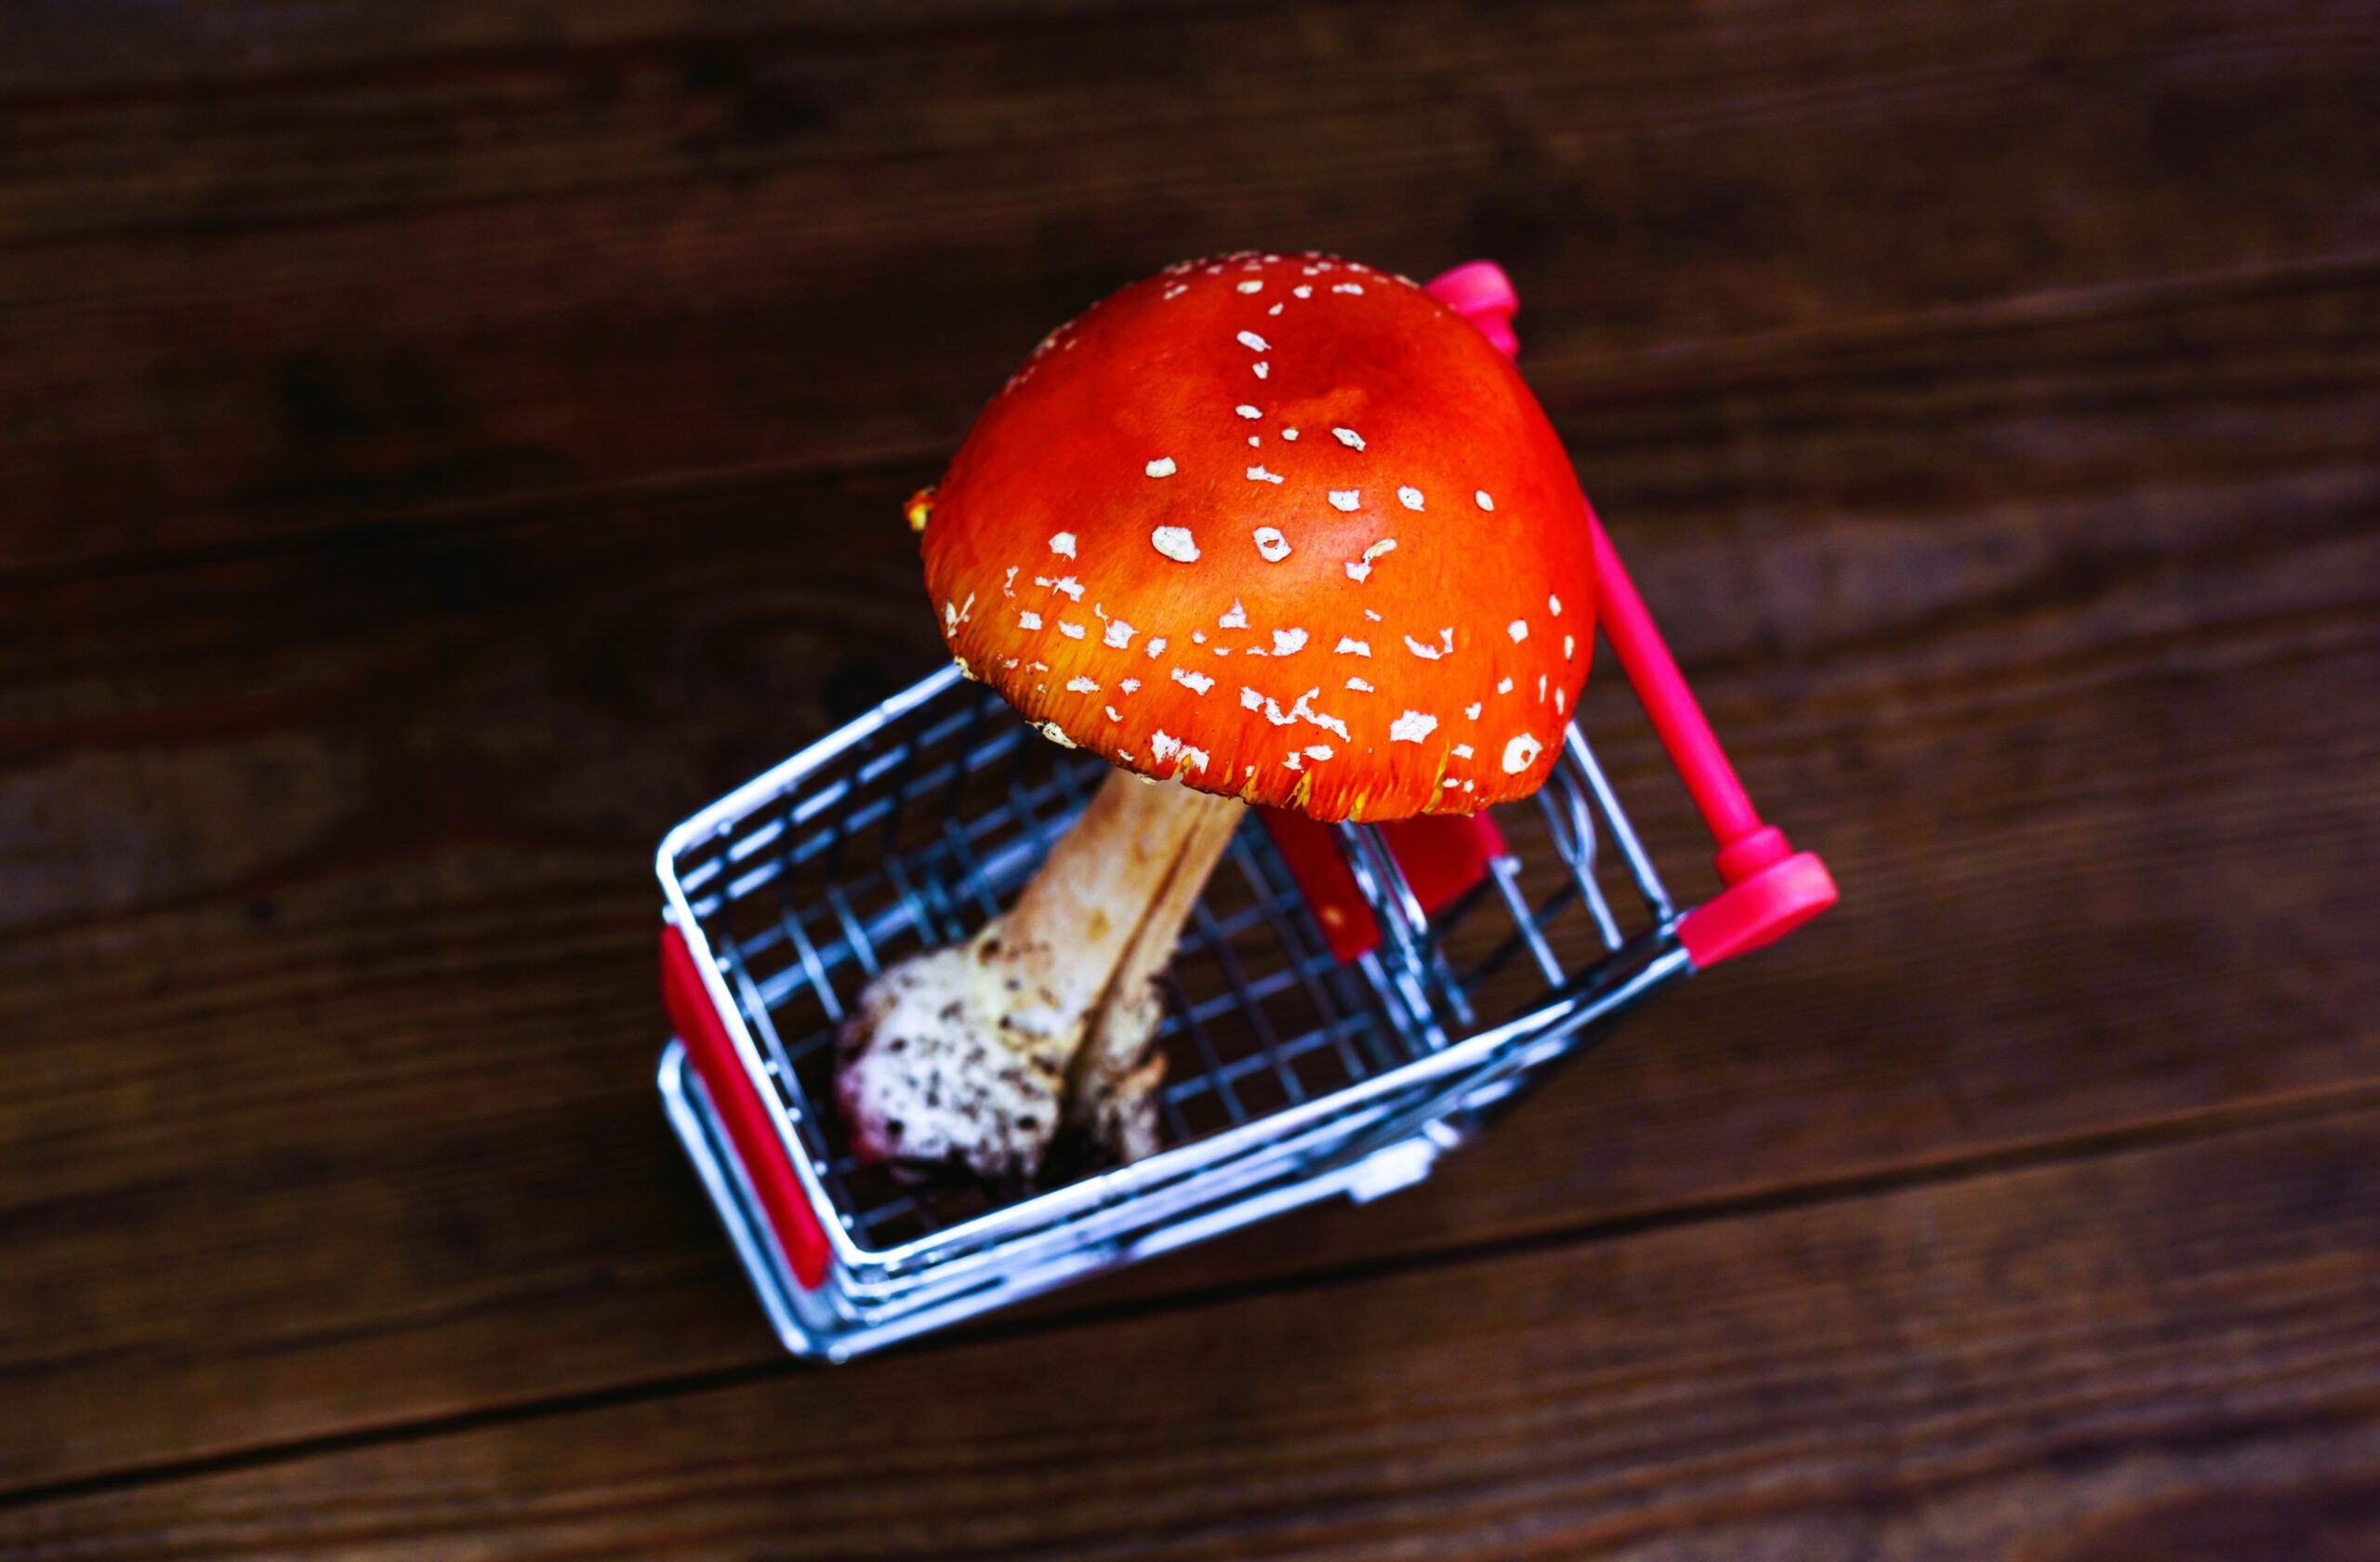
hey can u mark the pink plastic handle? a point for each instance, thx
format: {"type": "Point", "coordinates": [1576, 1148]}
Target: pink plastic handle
{"type": "Point", "coordinates": [1771, 888]}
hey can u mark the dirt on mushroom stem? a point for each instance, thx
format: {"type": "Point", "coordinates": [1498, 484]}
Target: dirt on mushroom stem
{"type": "Point", "coordinates": [977, 1057]}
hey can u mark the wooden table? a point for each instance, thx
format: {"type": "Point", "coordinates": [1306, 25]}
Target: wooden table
{"type": "Point", "coordinates": [441, 445]}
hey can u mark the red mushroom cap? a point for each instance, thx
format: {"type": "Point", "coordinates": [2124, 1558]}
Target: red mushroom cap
{"type": "Point", "coordinates": [1283, 528]}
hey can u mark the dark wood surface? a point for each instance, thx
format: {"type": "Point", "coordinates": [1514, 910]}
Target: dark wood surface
{"type": "Point", "coordinates": [442, 445]}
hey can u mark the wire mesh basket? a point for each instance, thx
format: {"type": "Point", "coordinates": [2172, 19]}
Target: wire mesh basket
{"type": "Point", "coordinates": [1346, 1004]}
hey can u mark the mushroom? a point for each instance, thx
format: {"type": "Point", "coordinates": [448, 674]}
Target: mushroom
{"type": "Point", "coordinates": [1331, 559]}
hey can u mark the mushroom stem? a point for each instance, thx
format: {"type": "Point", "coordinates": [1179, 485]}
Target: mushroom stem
{"type": "Point", "coordinates": [1111, 1086]}
{"type": "Point", "coordinates": [974, 1055]}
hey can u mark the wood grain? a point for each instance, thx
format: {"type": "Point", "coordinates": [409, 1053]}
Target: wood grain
{"type": "Point", "coordinates": [440, 446]}
{"type": "Point", "coordinates": [330, 929]}
{"type": "Point", "coordinates": [2160, 1353]}
{"type": "Point", "coordinates": [110, 47]}
{"type": "Point", "coordinates": [418, 269]}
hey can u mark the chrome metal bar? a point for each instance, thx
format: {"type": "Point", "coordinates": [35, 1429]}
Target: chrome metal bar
{"type": "Point", "coordinates": [1399, 1028]}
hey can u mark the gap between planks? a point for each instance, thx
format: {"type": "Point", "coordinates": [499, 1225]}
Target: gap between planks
{"type": "Point", "coordinates": [1667, 368]}
{"type": "Point", "coordinates": [2311, 1106]}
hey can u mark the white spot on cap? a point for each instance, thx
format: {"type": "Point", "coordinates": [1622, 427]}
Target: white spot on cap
{"type": "Point", "coordinates": [1274, 310]}
{"type": "Point", "coordinates": [1082, 686]}
{"type": "Point", "coordinates": [1370, 615]}
{"type": "Point", "coordinates": [1253, 343]}
{"type": "Point", "coordinates": [1249, 699]}
{"type": "Point", "coordinates": [1156, 647]}
{"type": "Point", "coordinates": [1411, 727]}
{"type": "Point", "coordinates": [1291, 436]}
{"type": "Point", "coordinates": [1385, 545]}
{"type": "Point", "coordinates": [1128, 684]}
{"type": "Point", "coordinates": [1317, 750]}
{"type": "Point", "coordinates": [1348, 437]}
{"type": "Point", "coordinates": [1008, 587]}
{"type": "Point", "coordinates": [1521, 753]}
{"type": "Point", "coordinates": [1409, 497]}
{"type": "Point", "coordinates": [1288, 642]}
{"type": "Point", "coordinates": [1119, 633]}
{"type": "Point", "coordinates": [1026, 619]}
{"type": "Point", "coordinates": [1197, 683]}
{"type": "Point", "coordinates": [1472, 711]}
{"type": "Point", "coordinates": [1161, 467]}
{"type": "Point", "coordinates": [1427, 653]}
{"type": "Point", "coordinates": [1302, 711]}
{"type": "Point", "coordinates": [1360, 686]}
{"type": "Point", "coordinates": [1258, 474]}
{"type": "Point", "coordinates": [1570, 643]}
{"type": "Point", "coordinates": [1272, 544]}
{"type": "Point", "coordinates": [1518, 629]}
{"type": "Point", "coordinates": [1461, 750]}
{"type": "Point", "coordinates": [1063, 543]}
{"type": "Point", "coordinates": [1295, 761]}
{"type": "Point", "coordinates": [1479, 496]}
{"type": "Point", "coordinates": [1303, 290]}
{"type": "Point", "coordinates": [1175, 543]}
{"type": "Point", "coordinates": [1558, 698]}
{"type": "Point", "coordinates": [1328, 723]}
{"type": "Point", "coordinates": [1066, 584]}
{"type": "Point", "coordinates": [1505, 687]}
{"type": "Point", "coordinates": [1163, 746]}
{"type": "Point", "coordinates": [1349, 646]}
{"type": "Point", "coordinates": [1197, 637]}
{"type": "Point", "coordinates": [1346, 498]}
{"type": "Point", "coordinates": [1540, 686]}
{"type": "Point", "coordinates": [1055, 733]}
{"type": "Point", "coordinates": [1234, 619]}
{"type": "Point", "coordinates": [1072, 631]}
{"type": "Point", "coordinates": [1251, 285]}
{"type": "Point", "coordinates": [1553, 605]}
{"type": "Point", "coordinates": [1347, 287]}
{"type": "Point", "coordinates": [1111, 714]}
{"type": "Point", "coordinates": [1247, 411]}
{"type": "Point", "coordinates": [1262, 368]}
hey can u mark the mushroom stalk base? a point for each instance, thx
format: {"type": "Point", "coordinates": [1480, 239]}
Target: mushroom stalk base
{"type": "Point", "coordinates": [976, 1057]}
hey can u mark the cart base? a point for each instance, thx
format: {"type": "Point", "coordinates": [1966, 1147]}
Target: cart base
{"type": "Point", "coordinates": [819, 1324]}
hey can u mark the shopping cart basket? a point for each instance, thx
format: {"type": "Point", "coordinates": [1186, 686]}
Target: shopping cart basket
{"type": "Point", "coordinates": [1347, 1004]}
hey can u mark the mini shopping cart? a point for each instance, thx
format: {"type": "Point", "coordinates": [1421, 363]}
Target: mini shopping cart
{"type": "Point", "coordinates": [1348, 1003]}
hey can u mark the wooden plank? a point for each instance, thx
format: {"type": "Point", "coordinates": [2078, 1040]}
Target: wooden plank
{"type": "Point", "coordinates": [2166, 1352]}
{"type": "Point", "coordinates": [301, 301]}
{"type": "Point", "coordinates": [108, 47]}
{"type": "Point", "coordinates": [327, 938]}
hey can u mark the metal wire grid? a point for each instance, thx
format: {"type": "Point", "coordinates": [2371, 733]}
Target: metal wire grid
{"type": "Point", "coordinates": [913, 836]}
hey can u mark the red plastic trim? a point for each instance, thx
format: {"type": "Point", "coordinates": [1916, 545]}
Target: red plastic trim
{"type": "Point", "coordinates": [1771, 888]}
{"type": "Point", "coordinates": [1481, 293]}
{"type": "Point", "coordinates": [751, 1126]}
{"type": "Point", "coordinates": [1757, 910]}
{"type": "Point", "coordinates": [1440, 855]}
